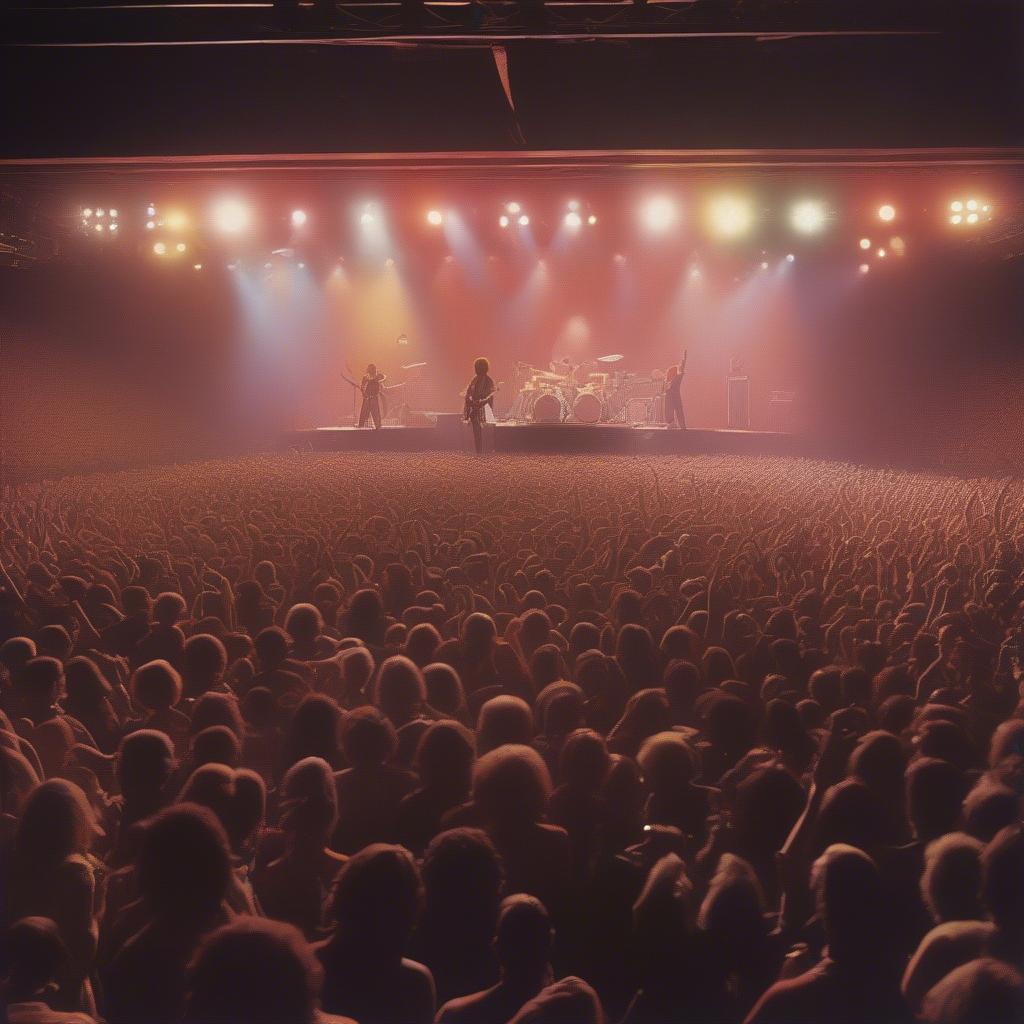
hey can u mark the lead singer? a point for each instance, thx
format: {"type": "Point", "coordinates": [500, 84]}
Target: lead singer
{"type": "Point", "coordinates": [479, 394]}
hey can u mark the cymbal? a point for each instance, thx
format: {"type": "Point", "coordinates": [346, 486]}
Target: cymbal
{"type": "Point", "coordinates": [413, 366]}
{"type": "Point", "coordinates": [617, 357]}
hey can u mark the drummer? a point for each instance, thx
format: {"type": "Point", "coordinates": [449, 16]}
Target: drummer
{"type": "Point", "coordinates": [564, 367]}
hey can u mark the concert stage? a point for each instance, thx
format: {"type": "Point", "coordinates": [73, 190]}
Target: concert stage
{"type": "Point", "coordinates": [451, 434]}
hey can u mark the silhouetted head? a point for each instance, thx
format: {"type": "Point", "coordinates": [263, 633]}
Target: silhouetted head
{"type": "Point", "coordinates": [156, 685]}
{"type": "Point", "coordinates": [668, 762]}
{"type": "Point", "coordinates": [303, 624]}
{"type": "Point", "coordinates": [376, 900]}
{"type": "Point", "coordinates": [400, 691]}
{"type": "Point", "coordinates": [367, 737]}
{"type": "Point", "coordinates": [215, 745]}
{"type": "Point", "coordinates": [584, 761]}
{"type": "Point", "coordinates": [1002, 867]}
{"type": "Point", "coordinates": [444, 689]}
{"type": "Point", "coordinates": [57, 821]}
{"type": "Point", "coordinates": [253, 970]}
{"type": "Point", "coordinates": [308, 802]}
{"type": "Point", "coordinates": [168, 608]}
{"type": "Point", "coordinates": [145, 761]}
{"type": "Point", "coordinates": [314, 731]}
{"type": "Point", "coordinates": [951, 881]}
{"type": "Point", "coordinates": [86, 685]}
{"type": "Point", "coordinates": [36, 956]}
{"type": "Point", "coordinates": [444, 758]}
{"type": "Point", "coordinates": [206, 661]}
{"type": "Point", "coordinates": [481, 366]}
{"type": "Point", "coordinates": [988, 808]}
{"type": "Point", "coordinates": [218, 709]}
{"type": "Point", "coordinates": [511, 785]}
{"type": "Point", "coordinates": [463, 875]}
{"type": "Point", "coordinates": [849, 895]}
{"type": "Point", "coordinates": [734, 907]}
{"type": "Point", "coordinates": [503, 719]}
{"type": "Point", "coordinates": [523, 937]}
{"type": "Point", "coordinates": [184, 865]}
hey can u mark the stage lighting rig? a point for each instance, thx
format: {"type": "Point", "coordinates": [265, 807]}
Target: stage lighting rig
{"type": "Point", "coordinates": [969, 212]}
{"type": "Point", "coordinates": [99, 221]}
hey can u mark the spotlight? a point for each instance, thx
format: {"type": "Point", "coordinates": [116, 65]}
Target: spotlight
{"type": "Point", "coordinates": [113, 214]}
{"type": "Point", "coordinates": [100, 212]}
{"type": "Point", "coordinates": [863, 268]}
{"type": "Point", "coordinates": [197, 266]}
{"type": "Point", "coordinates": [160, 249]}
{"type": "Point", "coordinates": [977, 210]}
{"type": "Point", "coordinates": [298, 218]}
{"type": "Point", "coordinates": [513, 207]}
{"type": "Point", "coordinates": [176, 220]}
{"type": "Point", "coordinates": [808, 216]}
{"type": "Point", "coordinates": [268, 265]}
{"type": "Point", "coordinates": [881, 254]}
{"type": "Point", "coordinates": [435, 217]}
{"type": "Point", "coordinates": [302, 266]}
{"type": "Point", "coordinates": [150, 224]}
{"type": "Point", "coordinates": [764, 264]}
{"type": "Point", "coordinates": [695, 273]}
{"type": "Point", "coordinates": [503, 221]}
{"type": "Point", "coordinates": [151, 210]}
{"type": "Point", "coordinates": [523, 220]}
{"type": "Point", "coordinates": [790, 257]}
{"type": "Point", "coordinates": [99, 227]}
{"type": "Point", "coordinates": [659, 214]}
{"type": "Point", "coordinates": [886, 212]}
{"type": "Point", "coordinates": [730, 216]}
{"type": "Point", "coordinates": [180, 247]}
{"type": "Point", "coordinates": [573, 219]}
{"type": "Point", "coordinates": [113, 227]}
{"type": "Point", "coordinates": [367, 217]}
{"type": "Point", "coordinates": [231, 216]}
{"type": "Point", "coordinates": [972, 204]}
{"type": "Point", "coordinates": [865, 243]}
{"type": "Point", "coordinates": [87, 212]}
{"type": "Point", "coordinates": [592, 220]}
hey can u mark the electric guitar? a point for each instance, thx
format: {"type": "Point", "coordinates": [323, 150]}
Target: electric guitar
{"type": "Point", "coordinates": [476, 404]}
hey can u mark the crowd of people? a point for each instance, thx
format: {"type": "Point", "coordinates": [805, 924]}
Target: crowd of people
{"type": "Point", "coordinates": [395, 739]}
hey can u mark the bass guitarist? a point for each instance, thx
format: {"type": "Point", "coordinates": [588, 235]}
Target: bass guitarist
{"type": "Point", "coordinates": [479, 394]}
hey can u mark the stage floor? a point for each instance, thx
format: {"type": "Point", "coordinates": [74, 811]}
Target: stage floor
{"type": "Point", "coordinates": [560, 438]}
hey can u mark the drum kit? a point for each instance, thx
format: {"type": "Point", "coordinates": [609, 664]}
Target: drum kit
{"type": "Point", "coordinates": [594, 392]}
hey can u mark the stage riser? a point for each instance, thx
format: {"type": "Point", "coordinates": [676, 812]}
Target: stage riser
{"type": "Point", "coordinates": [553, 439]}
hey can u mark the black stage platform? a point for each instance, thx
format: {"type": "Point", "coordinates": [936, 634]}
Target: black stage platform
{"type": "Point", "coordinates": [611, 439]}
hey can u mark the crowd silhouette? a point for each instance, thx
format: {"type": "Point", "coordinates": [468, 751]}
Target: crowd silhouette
{"type": "Point", "coordinates": [413, 738]}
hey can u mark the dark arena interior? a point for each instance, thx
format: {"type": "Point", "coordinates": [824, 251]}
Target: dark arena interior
{"type": "Point", "coordinates": [511, 511]}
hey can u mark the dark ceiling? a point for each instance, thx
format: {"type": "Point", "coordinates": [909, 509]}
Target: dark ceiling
{"type": "Point", "coordinates": [949, 83]}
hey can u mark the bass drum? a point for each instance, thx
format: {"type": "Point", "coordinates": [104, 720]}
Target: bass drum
{"type": "Point", "coordinates": [587, 408]}
{"type": "Point", "coordinates": [547, 409]}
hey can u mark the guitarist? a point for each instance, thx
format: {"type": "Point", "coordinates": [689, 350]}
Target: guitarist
{"type": "Point", "coordinates": [674, 416]}
{"type": "Point", "coordinates": [479, 394]}
{"type": "Point", "coordinates": [371, 386]}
